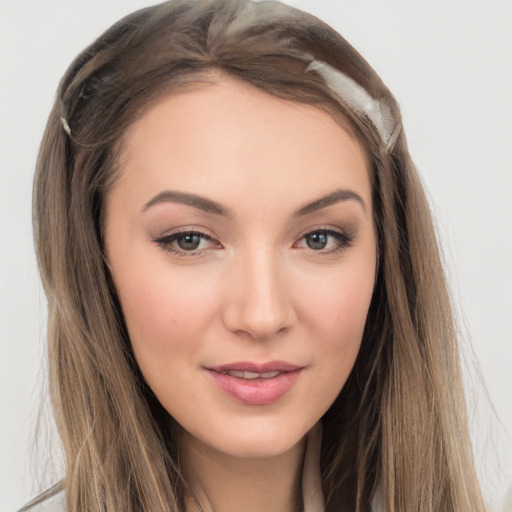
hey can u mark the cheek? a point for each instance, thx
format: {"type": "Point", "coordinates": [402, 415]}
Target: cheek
{"type": "Point", "coordinates": [337, 317]}
{"type": "Point", "coordinates": [165, 313]}
{"type": "Point", "coordinates": [337, 300]}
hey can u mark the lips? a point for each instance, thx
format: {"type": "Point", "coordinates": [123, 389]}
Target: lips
{"type": "Point", "coordinates": [253, 383]}
{"type": "Point", "coordinates": [241, 374]}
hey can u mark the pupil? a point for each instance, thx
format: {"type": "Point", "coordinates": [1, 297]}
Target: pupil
{"type": "Point", "coordinates": [189, 242]}
{"type": "Point", "coordinates": [317, 240]}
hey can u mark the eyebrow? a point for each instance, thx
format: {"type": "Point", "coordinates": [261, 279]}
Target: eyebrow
{"type": "Point", "coordinates": [199, 202]}
{"type": "Point", "coordinates": [210, 206]}
{"type": "Point", "coordinates": [334, 197]}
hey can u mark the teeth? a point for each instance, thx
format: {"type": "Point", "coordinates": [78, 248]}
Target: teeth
{"type": "Point", "coordinates": [269, 375]}
{"type": "Point", "coordinates": [251, 375]}
{"type": "Point", "coordinates": [236, 373]}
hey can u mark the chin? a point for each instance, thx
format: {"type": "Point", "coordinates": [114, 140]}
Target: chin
{"type": "Point", "coordinates": [255, 439]}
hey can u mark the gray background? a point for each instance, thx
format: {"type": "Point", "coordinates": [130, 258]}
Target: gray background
{"type": "Point", "coordinates": [450, 66]}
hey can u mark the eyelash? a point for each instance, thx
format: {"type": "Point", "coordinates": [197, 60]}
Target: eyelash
{"type": "Point", "coordinates": [166, 242]}
{"type": "Point", "coordinates": [343, 241]}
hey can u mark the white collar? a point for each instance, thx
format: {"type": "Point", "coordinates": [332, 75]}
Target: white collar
{"type": "Point", "coordinates": [312, 493]}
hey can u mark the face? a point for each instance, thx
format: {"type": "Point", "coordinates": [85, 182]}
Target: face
{"type": "Point", "coordinates": [242, 246]}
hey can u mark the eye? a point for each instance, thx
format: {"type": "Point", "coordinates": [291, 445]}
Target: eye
{"type": "Point", "coordinates": [186, 243]}
{"type": "Point", "coordinates": [190, 241]}
{"type": "Point", "coordinates": [325, 241]}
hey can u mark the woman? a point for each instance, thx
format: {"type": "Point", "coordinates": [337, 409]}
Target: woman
{"type": "Point", "coordinates": [247, 310]}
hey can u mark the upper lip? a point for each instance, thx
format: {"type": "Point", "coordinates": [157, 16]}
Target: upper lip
{"type": "Point", "coordinates": [246, 366]}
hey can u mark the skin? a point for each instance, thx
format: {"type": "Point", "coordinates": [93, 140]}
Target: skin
{"type": "Point", "coordinates": [256, 290]}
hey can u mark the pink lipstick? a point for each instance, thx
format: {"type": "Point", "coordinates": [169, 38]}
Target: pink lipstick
{"type": "Point", "coordinates": [253, 383]}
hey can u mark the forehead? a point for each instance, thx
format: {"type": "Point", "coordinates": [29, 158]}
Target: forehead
{"type": "Point", "coordinates": [228, 138]}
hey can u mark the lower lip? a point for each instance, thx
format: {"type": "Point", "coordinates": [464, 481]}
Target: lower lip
{"type": "Point", "coordinates": [256, 391]}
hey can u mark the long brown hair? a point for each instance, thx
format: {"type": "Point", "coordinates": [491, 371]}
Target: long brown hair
{"type": "Point", "coordinates": [399, 425]}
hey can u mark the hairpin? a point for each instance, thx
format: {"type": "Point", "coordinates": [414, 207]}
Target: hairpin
{"type": "Point", "coordinates": [358, 99]}
{"type": "Point", "coordinates": [65, 125]}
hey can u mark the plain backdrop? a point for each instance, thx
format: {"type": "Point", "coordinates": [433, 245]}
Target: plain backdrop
{"type": "Point", "coordinates": [449, 63]}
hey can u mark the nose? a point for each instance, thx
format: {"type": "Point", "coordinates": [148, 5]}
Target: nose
{"type": "Point", "coordinates": [260, 300]}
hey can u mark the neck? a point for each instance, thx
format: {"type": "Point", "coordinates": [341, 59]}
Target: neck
{"type": "Point", "coordinates": [219, 482]}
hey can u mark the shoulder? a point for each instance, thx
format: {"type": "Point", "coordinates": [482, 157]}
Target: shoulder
{"type": "Point", "coordinates": [52, 500]}
{"type": "Point", "coordinates": [377, 504]}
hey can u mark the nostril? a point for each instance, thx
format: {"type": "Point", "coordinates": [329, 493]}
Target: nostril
{"type": "Point", "coordinates": [260, 331]}
{"type": "Point", "coordinates": [258, 305]}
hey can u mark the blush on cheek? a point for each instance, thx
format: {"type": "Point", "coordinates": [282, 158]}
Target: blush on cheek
{"type": "Point", "coordinates": [342, 311]}
{"type": "Point", "coordinates": [344, 301]}
{"type": "Point", "coordinates": [162, 309]}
